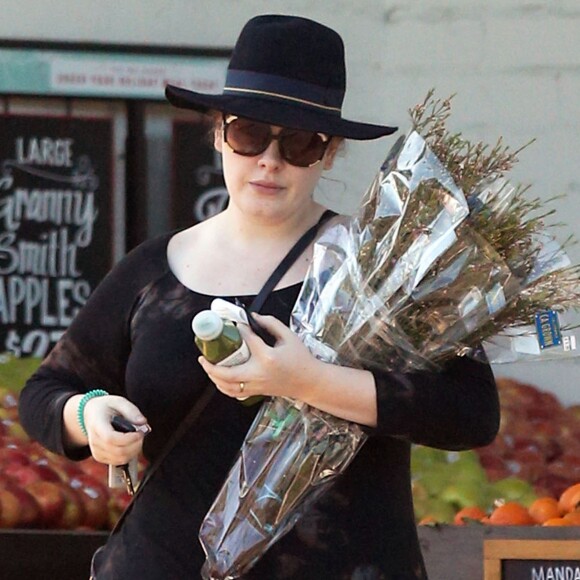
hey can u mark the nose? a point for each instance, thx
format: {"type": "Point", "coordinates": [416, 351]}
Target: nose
{"type": "Point", "coordinates": [271, 156]}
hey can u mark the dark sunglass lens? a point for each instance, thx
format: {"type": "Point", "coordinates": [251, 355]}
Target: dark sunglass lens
{"type": "Point", "coordinates": [302, 148]}
{"type": "Point", "coordinates": [247, 137]}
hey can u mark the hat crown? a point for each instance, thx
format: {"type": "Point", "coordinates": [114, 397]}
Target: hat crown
{"type": "Point", "coordinates": [288, 71]}
{"type": "Point", "coordinates": [290, 50]}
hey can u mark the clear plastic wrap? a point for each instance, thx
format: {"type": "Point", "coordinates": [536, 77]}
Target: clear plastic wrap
{"type": "Point", "coordinates": [407, 283]}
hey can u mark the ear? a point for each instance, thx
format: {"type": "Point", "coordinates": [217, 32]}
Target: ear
{"type": "Point", "coordinates": [218, 137]}
{"type": "Point", "coordinates": [330, 154]}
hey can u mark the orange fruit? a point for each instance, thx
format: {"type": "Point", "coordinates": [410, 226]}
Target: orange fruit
{"type": "Point", "coordinates": [465, 514]}
{"type": "Point", "coordinates": [427, 521]}
{"type": "Point", "coordinates": [573, 518]}
{"type": "Point", "coordinates": [543, 509]}
{"type": "Point", "coordinates": [556, 522]}
{"type": "Point", "coordinates": [511, 513]}
{"type": "Point", "coordinates": [570, 499]}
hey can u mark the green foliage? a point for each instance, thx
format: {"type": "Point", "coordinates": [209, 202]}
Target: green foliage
{"type": "Point", "coordinates": [14, 372]}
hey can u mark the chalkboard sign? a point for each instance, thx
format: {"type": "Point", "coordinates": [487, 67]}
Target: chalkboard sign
{"type": "Point", "coordinates": [532, 559]}
{"type": "Point", "coordinates": [55, 224]}
{"type": "Point", "coordinates": [198, 187]}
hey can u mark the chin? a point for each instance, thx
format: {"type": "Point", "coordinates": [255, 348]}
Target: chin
{"type": "Point", "coordinates": [270, 211]}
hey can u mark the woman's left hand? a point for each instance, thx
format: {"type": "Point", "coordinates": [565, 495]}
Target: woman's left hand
{"type": "Point", "coordinates": [285, 369]}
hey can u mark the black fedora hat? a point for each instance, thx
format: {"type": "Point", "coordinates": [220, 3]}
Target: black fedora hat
{"type": "Point", "coordinates": [288, 71]}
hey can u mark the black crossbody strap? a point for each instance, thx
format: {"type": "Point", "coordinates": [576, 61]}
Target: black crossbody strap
{"type": "Point", "coordinates": [287, 261]}
{"type": "Point", "coordinates": [208, 393]}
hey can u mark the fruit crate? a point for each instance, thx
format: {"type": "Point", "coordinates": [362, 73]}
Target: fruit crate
{"type": "Point", "coordinates": [457, 552]}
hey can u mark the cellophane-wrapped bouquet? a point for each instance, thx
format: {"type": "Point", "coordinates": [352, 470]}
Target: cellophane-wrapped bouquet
{"type": "Point", "coordinates": [443, 255]}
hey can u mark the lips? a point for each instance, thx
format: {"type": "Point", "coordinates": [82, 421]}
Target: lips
{"type": "Point", "coordinates": [266, 186]}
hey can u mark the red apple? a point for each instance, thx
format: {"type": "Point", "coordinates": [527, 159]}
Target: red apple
{"type": "Point", "coordinates": [113, 515]}
{"type": "Point", "coordinates": [495, 467]}
{"type": "Point", "coordinates": [119, 500]}
{"type": "Point", "coordinates": [99, 471]}
{"type": "Point", "coordinates": [551, 485]}
{"type": "Point", "coordinates": [11, 441]}
{"type": "Point", "coordinates": [36, 451]}
{"type": "Point", "coordinates": [74, 514]}
{"type": "Point", "coordinates": [499, 447]}
{"type": "Point", "coordinates": [546, 407]}
{"type": "Point", "coordinates": [9, 509]}
{"type": "Point", "coordinates": [51, 500]}
{"type": "Point", "coordinates": [566, 466]}
{"type": "Point", "coordinates": [529, 445]}
{"type": "Point", "coordinates": [527, 457]}
{"type": "Point", "coordinates": [86, 480]}
{"type": "Point", "coordinates": [95, 498]}
{"type": "Point", "coordinates": [543, 428]}
{"type": "Point", "coordinates": [516, 394]}
{"type": "Point", "coordinates": [12, 455]}
{"type": "Point", "coordinates": [553, 450]}
{"type": "Point", "coordinates": [569, 435]}
{"type": "Point", "coordinates": [45, 470]}
{"type": "Point", "coordinates": [66, 470]}
{"type": "Point", "coordinates": [29, 508]}
{"type": "Point", "coordinates": [24, 475]}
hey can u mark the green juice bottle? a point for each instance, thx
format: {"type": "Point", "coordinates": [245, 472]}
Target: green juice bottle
{"type": "Point", "coordinates": [219, 340]}
{"type": "Point", "coordinates": [220, 343]}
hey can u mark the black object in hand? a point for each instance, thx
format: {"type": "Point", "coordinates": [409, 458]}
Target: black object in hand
{"type": "Point", "coordinates": [119, 423]}
{"type": "Point", "coordinates": [122, 425]}
{"type": "Point", "coordinates": [256, 328]}
{"type": "Point", "coordinates": [260, 330]}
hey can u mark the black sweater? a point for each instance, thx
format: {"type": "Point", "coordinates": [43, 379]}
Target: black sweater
{"type": "Point", "coordinates": [133, 338]}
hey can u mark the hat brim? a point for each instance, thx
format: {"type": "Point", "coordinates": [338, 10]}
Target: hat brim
{"type": "Point", "coordinates": [277, 112]}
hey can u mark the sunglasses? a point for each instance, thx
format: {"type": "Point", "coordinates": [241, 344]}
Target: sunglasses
{"type": "Point", "coordinates": [249, 138]}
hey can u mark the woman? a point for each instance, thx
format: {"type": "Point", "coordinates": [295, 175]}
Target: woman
{"type": "Point", "coordinates": [278, 127]}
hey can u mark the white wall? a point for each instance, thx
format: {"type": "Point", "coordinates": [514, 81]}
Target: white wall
{"type": "Point", "coordinates": [515, 66]}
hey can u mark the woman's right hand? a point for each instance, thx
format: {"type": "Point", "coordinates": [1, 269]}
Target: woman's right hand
{"type": "Point", "coordinates": [106, 445]}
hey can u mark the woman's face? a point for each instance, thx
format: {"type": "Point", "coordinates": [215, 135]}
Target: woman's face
{"type": "Point", "coordinates": [265, 186]}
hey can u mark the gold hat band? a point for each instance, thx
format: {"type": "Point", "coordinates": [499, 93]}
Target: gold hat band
{"type": "Point", "coordinates": [284, 97]}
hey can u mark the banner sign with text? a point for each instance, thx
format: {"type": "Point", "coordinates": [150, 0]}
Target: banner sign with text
{"type": "Point", "coordinates": [56, 176]}
{"type": "Point", "coordinates": [106, 74]}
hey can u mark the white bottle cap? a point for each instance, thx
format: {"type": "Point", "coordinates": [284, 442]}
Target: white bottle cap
{"type": "Point", "coordinates": [207, 325]}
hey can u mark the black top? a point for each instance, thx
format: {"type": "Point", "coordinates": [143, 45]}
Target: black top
{"type": "Point", "coordinates": [134, 338]}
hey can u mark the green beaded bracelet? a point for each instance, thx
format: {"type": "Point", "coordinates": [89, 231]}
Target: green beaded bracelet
{"type": "Point", "coordinates": [81, 408]}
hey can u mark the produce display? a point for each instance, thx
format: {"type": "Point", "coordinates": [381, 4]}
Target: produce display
{"type": "Point", "coordinates": [39, 489]}
{"type": "Point", "coordinates": [538, 440]}
{"type": "Point", "coordinates": [529, 475]}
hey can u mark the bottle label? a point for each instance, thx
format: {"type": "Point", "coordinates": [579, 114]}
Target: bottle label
{"type": "Point", "coordinates": [237, 357]}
